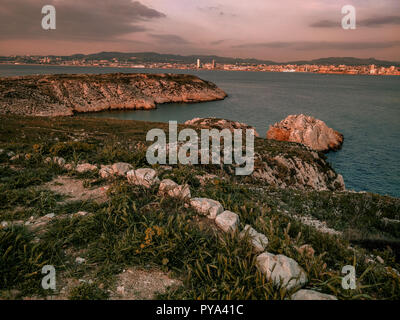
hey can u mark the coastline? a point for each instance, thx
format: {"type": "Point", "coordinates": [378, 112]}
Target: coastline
{"type": "Point", "coordinates": [194, 69]}
{"type": "Point", "coordinates": [66, 94]}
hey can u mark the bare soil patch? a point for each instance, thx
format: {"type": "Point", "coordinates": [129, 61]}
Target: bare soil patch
{"type": "Point", "coordinates": [75, 190]}
{"type": "Point", "coordinates": [139, 284]}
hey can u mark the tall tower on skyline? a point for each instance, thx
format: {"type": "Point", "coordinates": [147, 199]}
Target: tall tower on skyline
{"type": "Point", "coordinates": [198, 64]}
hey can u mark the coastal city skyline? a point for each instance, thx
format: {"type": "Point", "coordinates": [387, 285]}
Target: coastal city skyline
{"type": "Point", "coordinates": [150, 60]}
{"type": "Point", "coordinates": [283, 31]}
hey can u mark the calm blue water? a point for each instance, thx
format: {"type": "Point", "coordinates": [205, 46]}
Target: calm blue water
{"type": "Point", "coordinates": [365, 109]}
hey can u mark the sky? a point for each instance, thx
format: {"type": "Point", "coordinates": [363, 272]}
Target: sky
{"type": "Point", "coordinates": [281, 30]}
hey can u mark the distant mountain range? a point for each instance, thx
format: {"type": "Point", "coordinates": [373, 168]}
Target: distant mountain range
{"type": "Point", "coordinates": [148, 57]}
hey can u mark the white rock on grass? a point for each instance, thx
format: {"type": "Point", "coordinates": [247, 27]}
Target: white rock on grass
{"type": "Point", "coordinates": [121, 168]}
{"type": "Point", "coordinates": [85, 167]}
{"type": "Point", "coordinates": [281, 270]}
{"type": "Point", "coordinates": [258, 240]}
{"type": "Point", "coordinates": [59, 160]}
{"type": "Point", "coordinates": [182, 192]}
{"type": "Point", "coordinates": [106, 172]}
{"type": "Point", "coordinates": [167, 185]}
{"type": "Point", "coordinates": [172, 189]}
{"type": "Point", "coordinates": [207, 207]}
{"type": "Point", "coordinates": [143, 177]}
{"type": "Point", "coordinates": [14, 158]}
{"type": "Point", "coordinates": [228, 221]}
{"type": "Point", "coordinates": [80, 260]}
{"type": "Point", "coordinates": [311, 295]}
{"type": "Point", "coordinates": [80, 214]}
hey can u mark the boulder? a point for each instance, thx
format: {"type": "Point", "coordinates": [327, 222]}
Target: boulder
{"type": "Point", "coordinates": [281, 270]}
{"type": "Point", "coordinates": [172, 189]}
{"type": "Point", "coordinates": [60, 161]}
{"type": "Point", "coordinates": [106, 172]}
{"type": "Point", "coordinates": [121, 168]}
{"type": "Point", "coordinates": [258, 240]}
{"type": "Point", "coordinates": [85, 167]}
{"type": "Point", "coordinates": [182, 192]}
{"type": "Point", "coordinates": [304, 294]}
{"type": "Point", "coordinates": [227, 221]}
{"type": "Point", "coordinates": [306, 130]}
{"type": "Point", "coordinates": [143, 177]}
{"type": "Point", "coordinates": [207, 207]}
{"type": "Point", "coordinates": [167, 185]}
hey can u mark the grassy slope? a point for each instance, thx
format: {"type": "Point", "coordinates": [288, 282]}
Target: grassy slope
{"type": "Point", "coordinates": [138, 228]}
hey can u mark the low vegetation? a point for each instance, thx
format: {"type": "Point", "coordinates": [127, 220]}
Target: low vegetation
{"type": "Point", "coordinates": [136, 227]}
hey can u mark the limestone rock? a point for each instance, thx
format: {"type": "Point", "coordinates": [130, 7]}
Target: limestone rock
{"type": "Point", "coordinates": [172, 189]}
{"type": "Point", "coordinates": [258, 240]}
{"type": "Point", "coordinates": [167, 185]}
{"type": "Point", "coordinates": [64, 94]}
{"type": "Point", "coordinates": [182, 192]}
{"type": "Point", "coordinates": [143, 177]}
{"type": "Point", "coordinates": [304, 294]}
{"type": "Point", "coordinates": [306, 130]}
{"type": "Point", "coordinates": [227, 221]}
{"type": "Point", "coordinates": [207, 207]}
{"type": "Point", "coordinates": [280, 268]}
{"type": "Point", "coordinates": [85, 167]}
{"type": "Point", "coordinates": [80, 260]}
{"type": "Point", "coordinates": [60, 161]}
{"type": "Point", "coordinates": [121, 168]}
{"type": "Point", "coordinates": [106, 172]}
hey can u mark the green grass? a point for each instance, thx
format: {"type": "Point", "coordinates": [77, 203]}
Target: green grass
{"type": "Point", "coordinates": [136, 227]}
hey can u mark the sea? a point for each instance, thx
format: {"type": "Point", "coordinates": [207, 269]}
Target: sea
{"type": "Point", "coordinates": [365, 109]}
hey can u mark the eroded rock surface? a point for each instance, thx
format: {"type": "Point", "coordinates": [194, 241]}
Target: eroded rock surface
{"type": "Point", "coordinates": [306, 130]}
{"type": "Point", "coordinates": [62, 95]}
{"type": "Point", "coordinates": [207, 207]}
{"type": "Point", "coordinates": [258, 240]}
{"type": "Point", "coordinates": [227, 221]}
{"type": "Point", "coordinates": [144, 177]}
{"type": "Point", "coordinates": [282, 270]}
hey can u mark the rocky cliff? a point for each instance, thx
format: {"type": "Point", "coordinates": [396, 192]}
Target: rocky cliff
{"type": "Point", "coordinates": [306, 130]}
{"type": "Point", "coordinates": [283, 165]}
{"type": "Point", "coordinates": [62, 95]}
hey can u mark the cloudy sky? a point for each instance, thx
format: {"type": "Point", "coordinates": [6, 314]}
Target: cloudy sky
{"type": "Point", "coordinates": [266, 29]}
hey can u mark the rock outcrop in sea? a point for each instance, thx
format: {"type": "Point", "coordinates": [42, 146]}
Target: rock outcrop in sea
{"type": "Point", "coordinates": [306, 130]}
{"type": "Point", "coordinates": [63, 95]}
{"type": "Point", "coordinates": [300, 168]}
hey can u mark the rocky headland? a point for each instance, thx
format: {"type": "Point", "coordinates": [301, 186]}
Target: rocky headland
{"type": "Point", "coordinates": [77, 191]}
{"type": "Point", "coordinates": [306, 130]}
{"type": "Point", "coordinates": [64, 95]}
